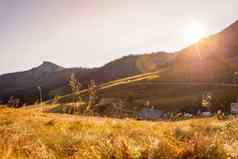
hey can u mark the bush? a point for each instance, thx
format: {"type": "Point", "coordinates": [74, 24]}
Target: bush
{"type": "Point", "coordinates": [13, 102]}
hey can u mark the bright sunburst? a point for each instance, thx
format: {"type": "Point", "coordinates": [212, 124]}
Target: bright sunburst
{"type": "Point", "coordinates": [194, 32]}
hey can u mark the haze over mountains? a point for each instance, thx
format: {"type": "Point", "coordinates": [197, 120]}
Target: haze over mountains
{"type": "Point", "coordinates": [212, 59]}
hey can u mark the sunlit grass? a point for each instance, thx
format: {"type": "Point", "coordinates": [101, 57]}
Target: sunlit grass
{"type": "Point", "coordinates": [27, 133]}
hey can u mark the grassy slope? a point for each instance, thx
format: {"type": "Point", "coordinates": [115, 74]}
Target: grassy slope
{"type": "Point", "coordinates": [29, 133]}
{"type": "Point", "coordinates": [169, 96]}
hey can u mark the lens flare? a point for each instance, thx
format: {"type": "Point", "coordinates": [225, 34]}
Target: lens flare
{"type": "Point", "coordinates": [194, 32]}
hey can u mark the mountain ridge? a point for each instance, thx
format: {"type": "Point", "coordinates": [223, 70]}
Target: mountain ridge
{"type": "Point", "coordinates": [54, 78]}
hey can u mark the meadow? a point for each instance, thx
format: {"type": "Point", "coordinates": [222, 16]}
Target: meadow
{"type": "Point", "coordinates": [30, 133]}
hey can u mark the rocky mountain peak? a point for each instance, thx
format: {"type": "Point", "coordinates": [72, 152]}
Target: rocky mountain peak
{"type": "Point", "coordinates": [47, 66]}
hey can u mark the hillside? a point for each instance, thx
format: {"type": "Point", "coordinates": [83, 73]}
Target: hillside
{"type": "Point", "coordinates": [211, 59]}
{"type": "Point", "coordinates": [54, 79]}
{"type": "Point", "coordinates": [24, 85]}
{"type": "Point", "coordinates": [207, 66]}
{"type": "Point", "coordinates": [168, 96]}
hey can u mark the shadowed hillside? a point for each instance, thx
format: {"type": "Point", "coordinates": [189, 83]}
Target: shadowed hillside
{"type": "Point", "coordinates": [54, 79]}
{"type": "Point", "coordinates": [169, 96]}
{"type": "Point", "coordinates": [179, 84]}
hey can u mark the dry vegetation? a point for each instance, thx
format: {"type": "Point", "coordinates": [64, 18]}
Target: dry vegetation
{"type": "Point", "coordinates": [29, 133]}
{"type": "Point", "coordinates": [168, 96]}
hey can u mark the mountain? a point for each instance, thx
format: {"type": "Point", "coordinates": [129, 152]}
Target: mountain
{"type": "Point", "coordinates": [214, 58]}
{"type": "Point", "coordinates": [53, 79]}
{"type": "Point", "coordinates": [28, 78]}
{"type": "Point", "coordinates": [24, 84]}
{"type": "Point", "coordinates": [179, 84]}
{"type": "Point", "coordinates": [47, 67]}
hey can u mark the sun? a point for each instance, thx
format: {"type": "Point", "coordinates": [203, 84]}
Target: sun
{"type": "Point", "coordinates": [194, 32]}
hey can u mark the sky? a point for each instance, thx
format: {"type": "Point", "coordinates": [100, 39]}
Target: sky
{"type": "Point", "coordinates": [90, 33]}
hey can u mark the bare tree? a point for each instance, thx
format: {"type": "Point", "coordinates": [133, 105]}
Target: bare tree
{"type": "Point", "coordinates": [92, 90]}
{"type": "Point", "coordinates": [75, 86]}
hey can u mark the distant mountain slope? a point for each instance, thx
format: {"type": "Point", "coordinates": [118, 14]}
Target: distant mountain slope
{"type": "Point", "coordinates": [53, 78]}
{"type": "Point", "coordinates": [27, 78]}
{"type": "Point", "coordinates": [129, 66]}
{"type": "Point", "coordinates": [24, 84]}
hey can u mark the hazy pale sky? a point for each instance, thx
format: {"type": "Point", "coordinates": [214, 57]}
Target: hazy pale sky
{"type": "Point", "coordinates": [90, 33]}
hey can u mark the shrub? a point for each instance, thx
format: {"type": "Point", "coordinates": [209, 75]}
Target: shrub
{"type": "Point", "coordinates": [13, 102]}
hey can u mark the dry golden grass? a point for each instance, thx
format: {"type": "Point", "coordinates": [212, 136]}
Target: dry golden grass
{"type": "Point", "coordinates": [29, 133]}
